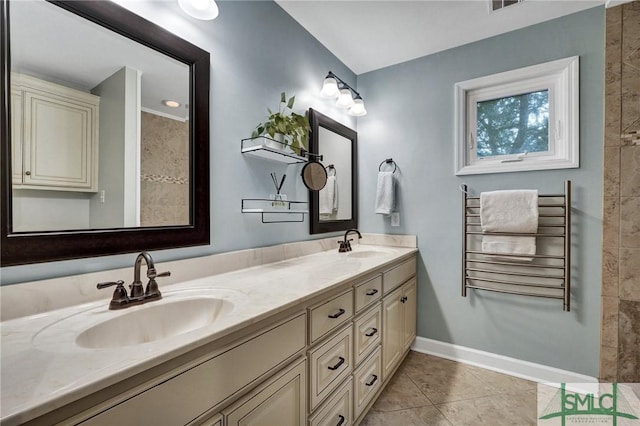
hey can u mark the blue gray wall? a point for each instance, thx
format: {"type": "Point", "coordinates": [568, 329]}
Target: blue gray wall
{"type": "Point", "coordinates": [257, 51]}
{"type": "Point", "coordinates": [410, 118]}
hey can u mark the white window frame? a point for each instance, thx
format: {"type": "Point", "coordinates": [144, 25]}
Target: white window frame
{"type": "Point", "coordinates": [561, 78]}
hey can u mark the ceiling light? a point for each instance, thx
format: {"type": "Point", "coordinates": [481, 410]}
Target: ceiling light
{"type": "Point", "coordinates": [200, 9]}
{"type": "Point", "coordinates": [170, 103]}
{"type": "Point", "coordinates": [358, 109]}
{"type": "Point", "coordinates": [330, 87]}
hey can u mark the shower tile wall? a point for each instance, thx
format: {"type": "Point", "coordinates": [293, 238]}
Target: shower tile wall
{"type": "Point", "coordinates": [164, 182]}
{"type": "Point", "coordinates": [620, 334]}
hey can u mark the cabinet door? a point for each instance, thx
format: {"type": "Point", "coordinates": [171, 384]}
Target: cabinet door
{"type": "Point", "coordinates": [410, 297]}
{"type": "Point", "coordinates": [59, 137]}
{"type": "Point", "coordinates": [392, 331]}
{"type": "Point", "coordinates": [281, 401]}
{"type": "Point", "coordinates": [16, 136]}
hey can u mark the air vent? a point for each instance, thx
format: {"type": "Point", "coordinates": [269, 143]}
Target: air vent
{"type": "Point", "coordinates": [501, 4]}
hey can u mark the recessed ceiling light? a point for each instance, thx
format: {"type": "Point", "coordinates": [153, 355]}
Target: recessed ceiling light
{"type": "Point", "coordinates": [171, 104]}
{"type": "Point", "coordinates": [200, 9]}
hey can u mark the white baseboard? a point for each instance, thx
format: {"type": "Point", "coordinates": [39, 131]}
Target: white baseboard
{"type": "Point", "coordinates": [500, 363]}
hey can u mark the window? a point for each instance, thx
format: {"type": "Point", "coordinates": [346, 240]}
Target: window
{"type": "Point", "coordinates": [525, 119]}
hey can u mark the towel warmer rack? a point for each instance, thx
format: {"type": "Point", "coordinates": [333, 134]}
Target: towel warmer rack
{"type": "Point", "coordinates": [548, 275]}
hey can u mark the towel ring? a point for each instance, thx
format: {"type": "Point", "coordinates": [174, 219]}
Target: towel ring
{"type": "Point", "coordinates": [388, 161]}
{"type": "Point", "coordinates": [331, 167]}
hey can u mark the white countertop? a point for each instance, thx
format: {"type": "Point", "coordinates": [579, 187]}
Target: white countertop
{"type": "Point", "coordinates": [43, 369]}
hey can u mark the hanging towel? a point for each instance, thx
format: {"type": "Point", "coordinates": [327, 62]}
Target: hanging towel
{"type": "Point", "coordinates": [385, 194]}
{"type": "Point", "coordinates": [509, 211]}
{"type": "Point", "coordinates": [328, 197]}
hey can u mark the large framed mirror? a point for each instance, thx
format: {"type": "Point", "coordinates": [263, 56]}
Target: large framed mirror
{"type": "Point", "coordinates": [335, 207]}
{"type": "Point", "coordinates": [104, 133]}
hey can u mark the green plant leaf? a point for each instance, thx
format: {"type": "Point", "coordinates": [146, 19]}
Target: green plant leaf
{"type": "Point", "coordinates": [283, 97]}
{"type": "Point", "coordinates": [291, 101]}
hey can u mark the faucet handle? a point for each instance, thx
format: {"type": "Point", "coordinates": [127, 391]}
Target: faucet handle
{"type": "Point", "coordinates": [160, 275]}
{"type": "Point", "coordinates": [118, 283]}
{"type": "Point", "coordinates": [119, 298]}
{"type": "Point", "coordinates": [152, 290]}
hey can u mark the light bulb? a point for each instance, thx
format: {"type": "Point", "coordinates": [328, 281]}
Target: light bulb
{"type": "Point", "coordinates": [358, 109]}
{"type": "Point", "coordinates": [344, 98]}
{"type": "Point", "coordinates": [170, 103]}
{"type": "Point", "coordinates": [330, 87]}
{"type": "Point", "coordinates": [200, 9]}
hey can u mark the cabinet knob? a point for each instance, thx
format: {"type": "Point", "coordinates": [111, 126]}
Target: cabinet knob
{"type": "Point", "coordinates": [28, 173]}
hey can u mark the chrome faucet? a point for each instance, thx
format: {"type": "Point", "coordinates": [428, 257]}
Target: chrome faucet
{"type": "Point", "coordinates": [345, 245]}
{"type": "Point", "coordinates": [138, 295]}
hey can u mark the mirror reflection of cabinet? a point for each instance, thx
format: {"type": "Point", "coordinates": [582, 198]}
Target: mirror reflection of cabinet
{"type": "Point", "coordinates": [335, 207]}
{"type": "Point", "coordinates": [54, 136]}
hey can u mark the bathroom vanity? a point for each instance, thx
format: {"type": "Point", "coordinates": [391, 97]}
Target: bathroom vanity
{"type": "Point", "coordinates": [307, 340]}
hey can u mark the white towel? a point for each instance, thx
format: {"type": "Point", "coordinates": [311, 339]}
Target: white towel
{"type": "Point", "coordinates": [509, 211]}
{"type": "Point", "coordinates": [328, 197]}
{"type": "Point", "coordinates": [385, 194]}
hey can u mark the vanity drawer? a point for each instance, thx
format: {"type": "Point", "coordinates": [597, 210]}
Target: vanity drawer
{"type": "Point", "coordinates": [329, 364]}
{"type": "Point", "coordinates": [366, 381]}
{"type": "Point", "coordinates": [367, 332]}
{"type": "Point", "coordinates": [186, 396]}
{"type": "Point", "coordinates": [330, 315]}
{"type": "Point", "coordinates": [337, 410]}
{"type": "Point", "coordinates": [396, 276]}
{"type": "Point", "coordinates": [368, 292]}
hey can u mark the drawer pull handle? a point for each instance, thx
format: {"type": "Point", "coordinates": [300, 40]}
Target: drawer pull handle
{"type": "Point", "coordinates": [404, 299]}
{"type": "Point", "coordinates": [375, 378]}
{"type": "Point", "coordinates": [337, 314]}
{"type": "Point", "coordinates": [338, 364]}
{"type": "Point", "coordinates": [341, 421]}
{"type": "Point", "coordinates": [371, 292]}
{"type": "Point", "coordinates": [372, 332]}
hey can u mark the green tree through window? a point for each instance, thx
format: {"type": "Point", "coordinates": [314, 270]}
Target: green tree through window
{"type": "Point", "coordinates": [513, 124]}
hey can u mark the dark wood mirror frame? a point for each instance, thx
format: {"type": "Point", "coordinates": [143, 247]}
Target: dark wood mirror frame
{"type": "Point", "coordinates": [24, 248]}
{"type": "Point", "coordinates": [317, 120]}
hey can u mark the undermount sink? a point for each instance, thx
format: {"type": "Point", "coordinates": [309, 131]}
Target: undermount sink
{"type": "Point", "coordinates": [154, 322]}
{"type": "Point", "coordinates": [177, 313]}
{"type": "Point", "coordinates": [367, 253]}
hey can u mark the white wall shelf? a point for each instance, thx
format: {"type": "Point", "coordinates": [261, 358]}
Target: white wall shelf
{"type": "Point", "coordinates": [273, 211]}
{"type": "Point", "coordinates": [271, 149]}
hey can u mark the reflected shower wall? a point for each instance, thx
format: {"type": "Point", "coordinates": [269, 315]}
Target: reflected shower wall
{"type": "Point", "coordinates": [164, 171]}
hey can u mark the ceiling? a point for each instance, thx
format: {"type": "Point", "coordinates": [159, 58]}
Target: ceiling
{"type": "Point", "coordinates": [367, 35]}
{"type": "Point", "coordinates": [85, 54]}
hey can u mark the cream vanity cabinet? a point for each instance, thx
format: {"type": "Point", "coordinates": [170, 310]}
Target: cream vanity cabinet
{"type": "Point", "coordinates": [320, 363]}
{"type": "Point", "coordinates": [398, 314]}
{"type": "Point", "coordinates": [54, 136]}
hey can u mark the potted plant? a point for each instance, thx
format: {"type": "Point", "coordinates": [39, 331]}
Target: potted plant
{"type": "Point", "coordinates": [285, 126]}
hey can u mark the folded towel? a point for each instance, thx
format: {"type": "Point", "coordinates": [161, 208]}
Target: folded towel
{"type": "Point", "coordinates": [385, 194]}
{"type": "Point", "coordinates": [509, 211]}
{"type": "Point", "coordinates": [328, 197]}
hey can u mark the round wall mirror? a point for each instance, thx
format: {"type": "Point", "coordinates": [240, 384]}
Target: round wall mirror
{"type": "Point", "coordinates": [314, 176]}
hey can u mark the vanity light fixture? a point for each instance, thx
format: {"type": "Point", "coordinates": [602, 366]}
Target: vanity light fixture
{"type": "Point", "coordinates": [200, 9]}
{"type": "Point", "coordinates": [170, 103]}
{"type": "Point", "coordinates": [335, 87]}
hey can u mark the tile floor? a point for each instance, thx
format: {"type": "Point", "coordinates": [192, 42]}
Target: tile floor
{"type": "Point", "coordinates": [427, 391]}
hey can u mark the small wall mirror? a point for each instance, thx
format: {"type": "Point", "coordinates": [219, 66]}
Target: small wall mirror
{"type": "Point", "coordinates": [105, 144]}
{"type": "Point", "coordinates": [335, 207]}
